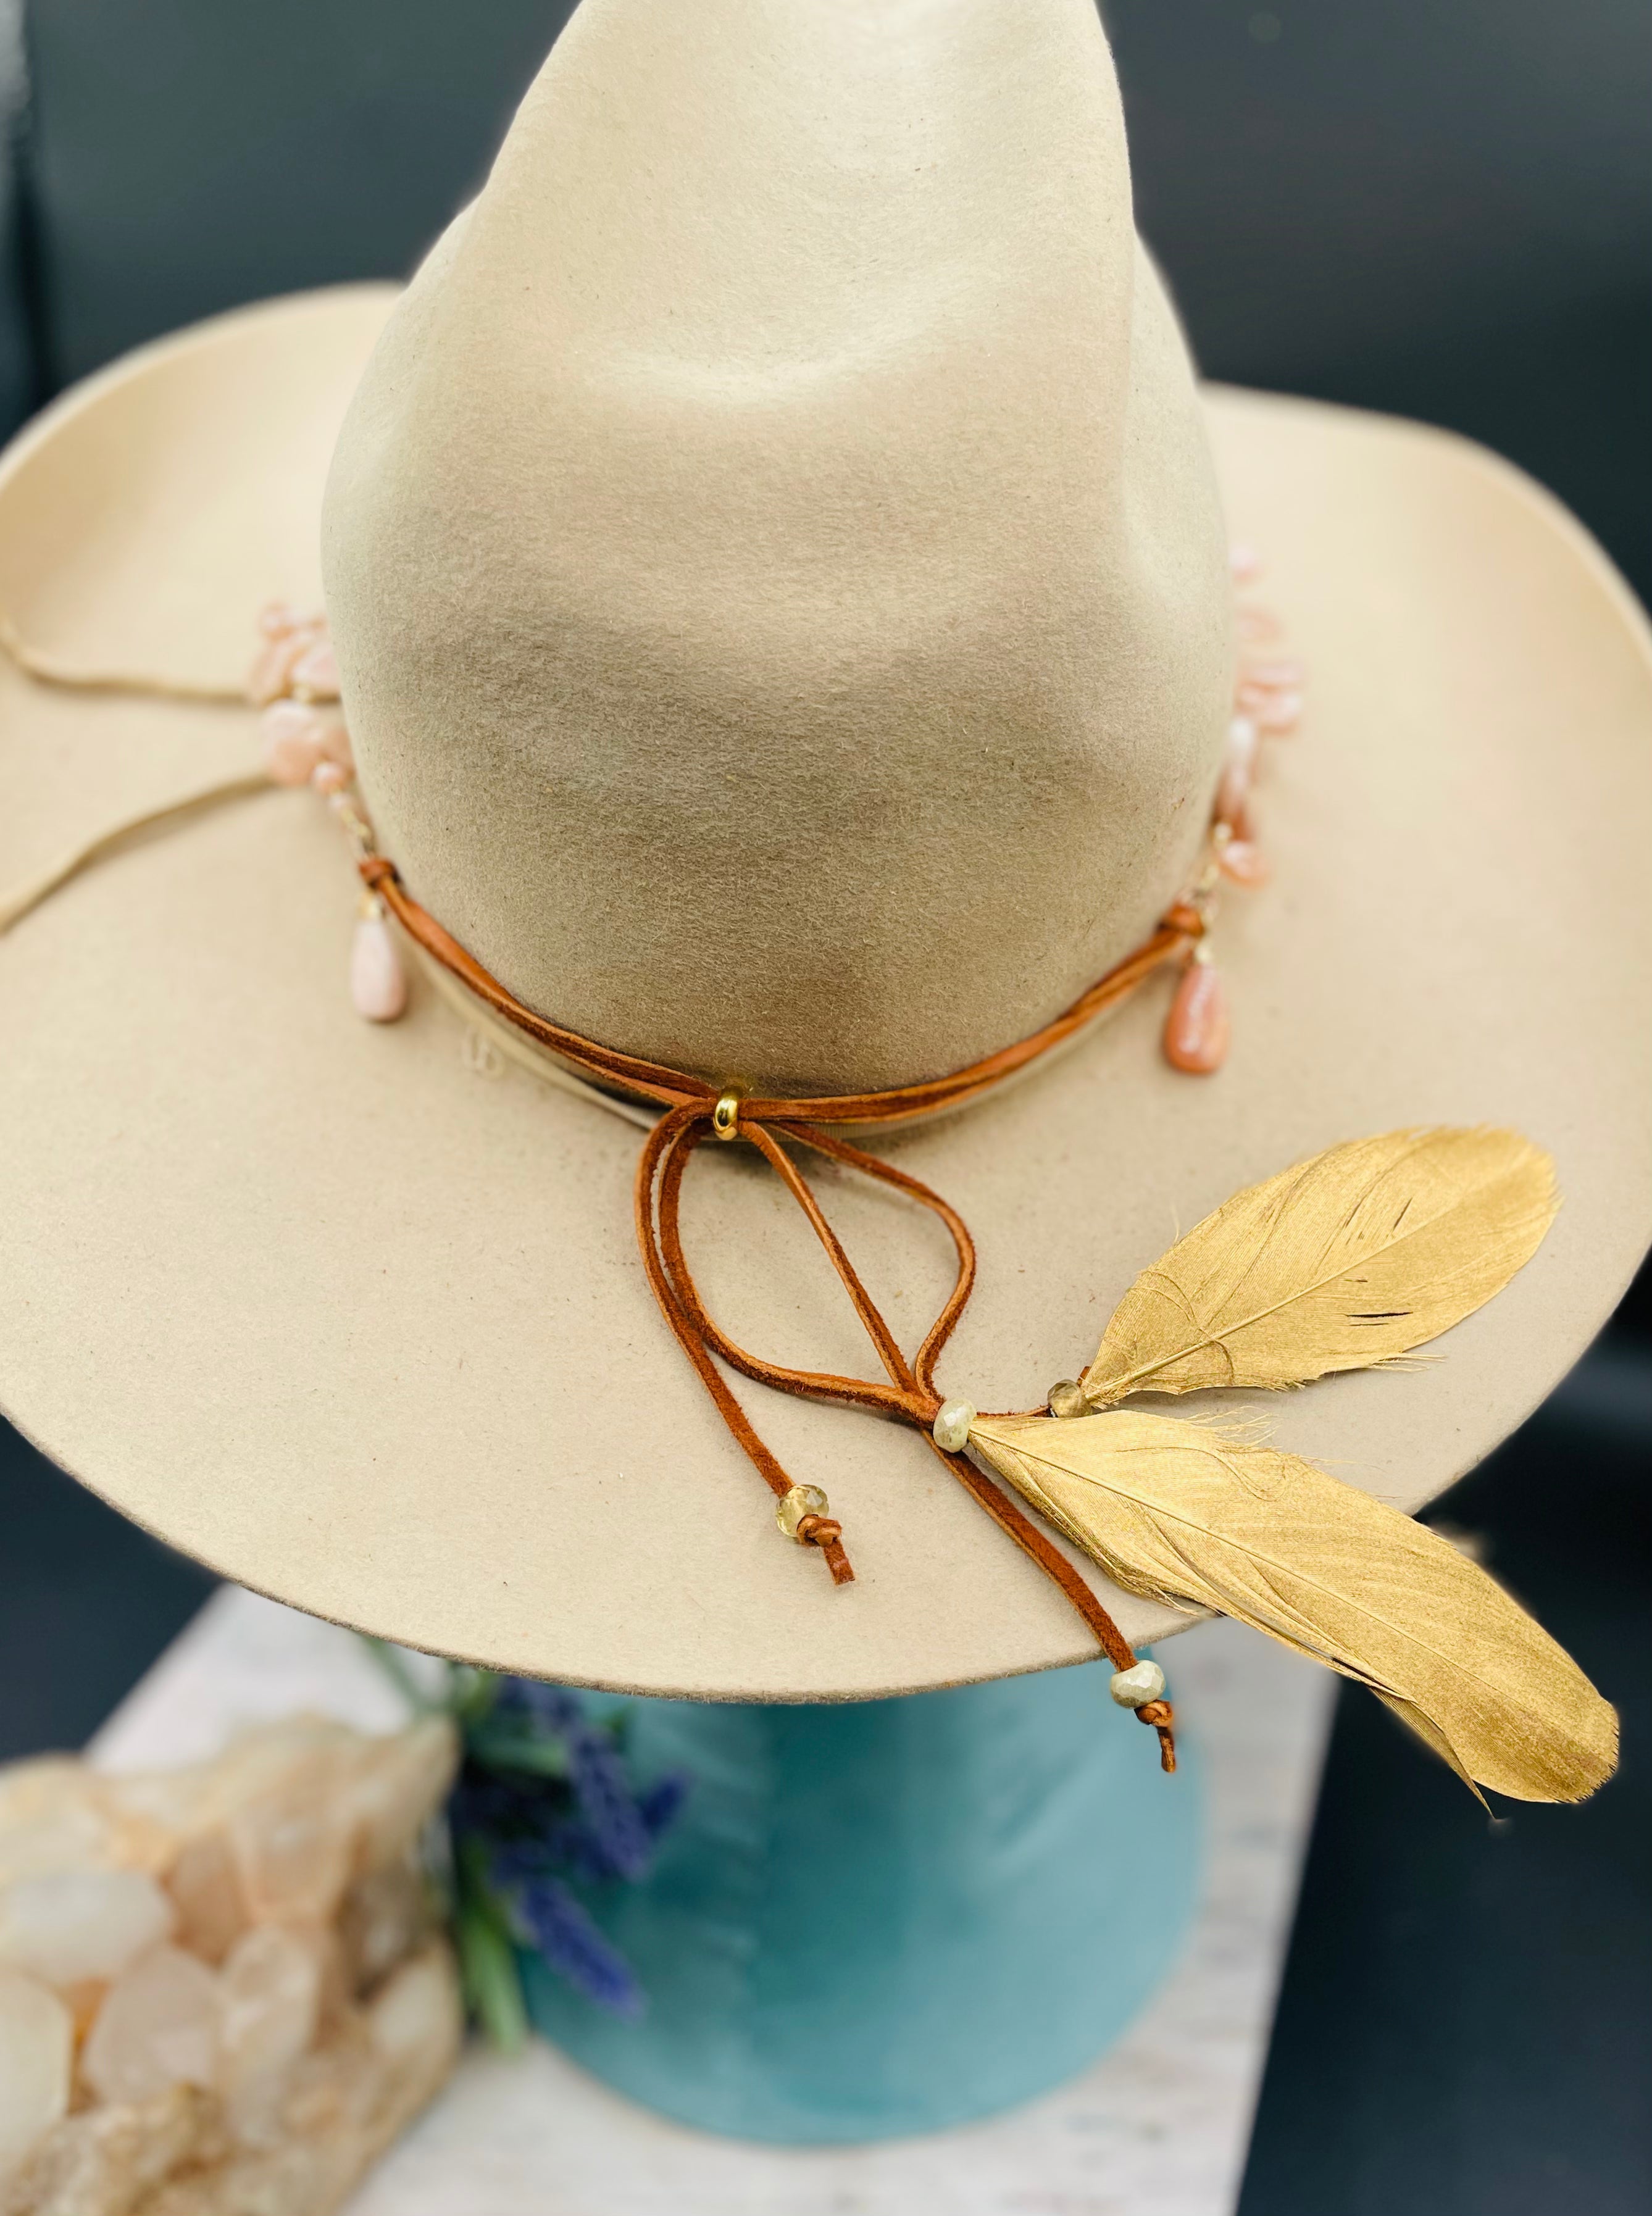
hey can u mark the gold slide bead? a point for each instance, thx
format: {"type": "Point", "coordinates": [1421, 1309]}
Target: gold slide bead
{"type": "Point", "coordinates": [725, 1119]}
{"type": "Point", "coordinates": [791, 1507]}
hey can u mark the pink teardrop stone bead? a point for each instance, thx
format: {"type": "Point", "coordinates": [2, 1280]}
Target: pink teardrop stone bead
{"type": "Point", "coordinates": [1196, 1029]}
{"type": "Point", "coordinates": [271, 672]}
{"type": "Point", "coordinates": [1255, 623]}
{"type": "Point", "coordinates": [315, 671]}
{"type": "Point", "coordinates": [1281, 712]}
{"type": "Point", "coordinates": [1245, 563]}
{"type": "Point", "coordinates": [1243, 860]}
{"type": "Point", "coordinates": [294, 742]}
{"type": "Point", "coordinates": [378, 980]}
{"type": "Point", "coordinates": [1238, 767]}
{"type": "Point", "coordinates": [334, 742]}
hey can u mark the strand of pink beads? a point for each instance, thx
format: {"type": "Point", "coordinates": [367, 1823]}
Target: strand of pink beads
{"type": "Point", "coordinates": [1267, 704]}
{"type": "Point", "coordinates": [294, 681]}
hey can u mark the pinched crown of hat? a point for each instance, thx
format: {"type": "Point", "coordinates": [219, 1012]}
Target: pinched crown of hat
{"type": "Point", "coordinates": [774, 554]}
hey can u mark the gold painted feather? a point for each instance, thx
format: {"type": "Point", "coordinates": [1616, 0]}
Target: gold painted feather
{"type": "Point", "coordinates": [1347, 1260]}
{"type": "Point", "coordinates": [1176, 1513]}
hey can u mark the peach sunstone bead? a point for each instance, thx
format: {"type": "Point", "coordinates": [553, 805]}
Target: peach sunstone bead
{"type": "Point", "coordinates": [1196, 1029]}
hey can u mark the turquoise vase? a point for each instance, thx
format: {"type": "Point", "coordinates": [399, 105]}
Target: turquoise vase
{"type": "Point", "coordinates": [888, 1917]}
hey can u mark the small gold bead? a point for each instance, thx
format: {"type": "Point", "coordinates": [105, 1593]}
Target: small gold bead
{"type": "Point", "coordinates": [791, 1507]}
{"type": "Point", "coordinates": [1066, 1398]}
{"type": "Point", "coordinates": [725, 1121]}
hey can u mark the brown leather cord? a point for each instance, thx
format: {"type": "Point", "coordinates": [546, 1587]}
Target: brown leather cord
{"type": "Point", "coordinates": [695, 1110]}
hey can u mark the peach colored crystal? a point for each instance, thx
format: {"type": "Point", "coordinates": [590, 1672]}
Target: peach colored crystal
{"type": "Point", "coordinates": [237, 1993]}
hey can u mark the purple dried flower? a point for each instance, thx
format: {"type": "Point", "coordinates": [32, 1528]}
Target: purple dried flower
{"type": "Point", "coordinates": [554, 1924]}
{"type": "Point", "coordinates": [658, 1804]}
{"type": "Point", "coordinates": [543, 1803]}
{"type": "Point", "coordinates": [612, 1823]}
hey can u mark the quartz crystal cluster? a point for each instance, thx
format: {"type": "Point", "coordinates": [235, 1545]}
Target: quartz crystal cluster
{"type": "Point", "coordinates": [223, 1990]}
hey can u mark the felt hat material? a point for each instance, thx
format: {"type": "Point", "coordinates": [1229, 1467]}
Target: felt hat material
{"type": "Point", "coordinates": [774, 555]}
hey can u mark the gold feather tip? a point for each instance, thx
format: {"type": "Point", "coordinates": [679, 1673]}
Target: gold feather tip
{"type": "Point", "coordinates": [1348, 1260]}
{"type": "Point", "coordinates": [1178, 1512]}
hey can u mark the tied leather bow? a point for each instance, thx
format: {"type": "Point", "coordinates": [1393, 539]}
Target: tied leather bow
{"type": "Point", "coordinates": [695, 1110]}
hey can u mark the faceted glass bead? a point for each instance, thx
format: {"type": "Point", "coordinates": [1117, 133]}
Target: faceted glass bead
{"type": "Point", "coordinates": [791, 1507]}
{"type": "Point", "coordinates": [952, 1426]}
{"type": "Point", "coordinates": [1136, 1687]}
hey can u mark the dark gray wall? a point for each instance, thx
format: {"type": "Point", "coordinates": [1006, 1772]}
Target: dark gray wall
{"type": "Point", "coordinates": [18, 375]}
{"type": "Point", "coordinates": [1438, 208]}
{"type": "Point", "coordinates": [188, 154]}
{"type": "Point", "coordinates": [1441, 207]}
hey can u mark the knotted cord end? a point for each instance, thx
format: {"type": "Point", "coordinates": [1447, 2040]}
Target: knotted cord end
{"type": "Point", "coordinates": [826, 1533]}
{"type": "Point", "coordinates": [801, 1514]}
{"type": "Point", "coordinates": [1163, 1718]}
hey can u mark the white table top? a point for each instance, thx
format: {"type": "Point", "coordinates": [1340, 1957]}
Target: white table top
{"type": "Point", "coordinates": [1158, 2127]}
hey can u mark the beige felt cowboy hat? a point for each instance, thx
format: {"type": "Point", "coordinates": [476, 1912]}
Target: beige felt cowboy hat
{"type": "Point", "coordinates": [777, 555]}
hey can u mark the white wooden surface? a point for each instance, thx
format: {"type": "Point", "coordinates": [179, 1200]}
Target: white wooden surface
{"type": "Point", "coordinates": [1158, 2127]}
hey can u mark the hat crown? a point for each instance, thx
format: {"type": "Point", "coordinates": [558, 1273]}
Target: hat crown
{"type": "Point", "coordinates": [773, 553]}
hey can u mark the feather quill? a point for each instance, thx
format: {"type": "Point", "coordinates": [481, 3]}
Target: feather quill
{"type": "Point", "coordinates": [1347, 1260]}
{"type": "Point", "coordinates": [1179, 1513]}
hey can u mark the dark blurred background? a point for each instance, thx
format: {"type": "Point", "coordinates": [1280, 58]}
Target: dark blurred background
{"type": "Point", "coordinates": [1439, 208]}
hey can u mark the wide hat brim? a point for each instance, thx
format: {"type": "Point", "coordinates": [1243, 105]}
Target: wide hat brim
{"type": "Point", "coordinates": [354, 1314]}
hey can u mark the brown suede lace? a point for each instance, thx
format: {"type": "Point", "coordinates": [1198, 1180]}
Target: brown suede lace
{"type": "Point", "coordinates": [695, 1110]}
